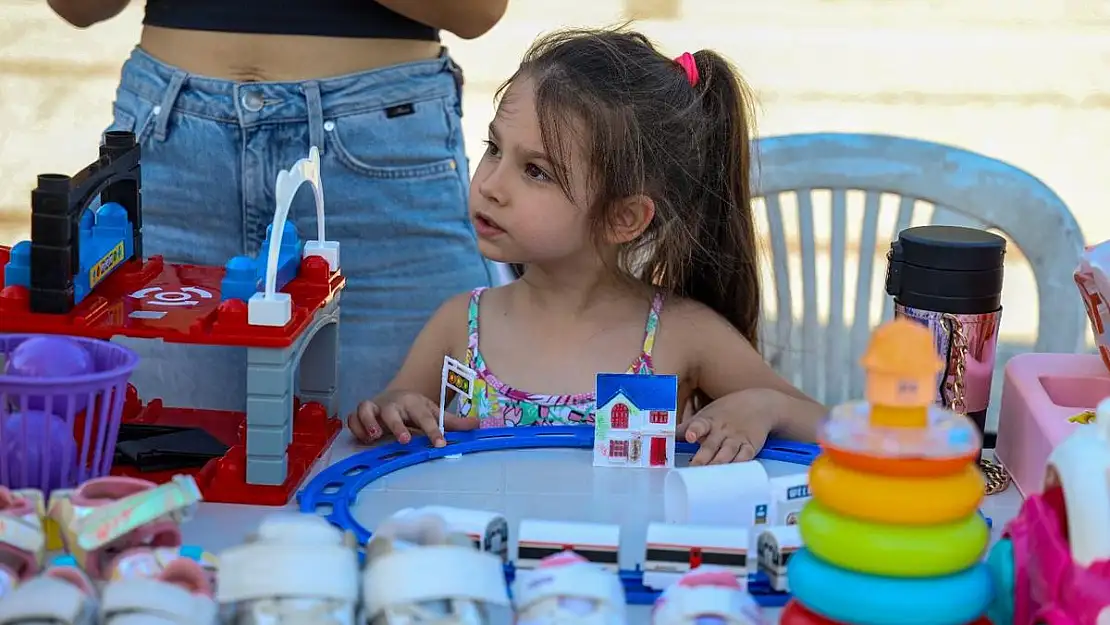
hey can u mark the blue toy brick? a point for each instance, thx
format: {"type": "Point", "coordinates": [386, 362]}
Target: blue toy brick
{"type": "Point", "coordinates": [246, 276]}
{"type": "Point", "coordinates": [647, 392]}
{"type": "Point", "coordinates": [106, 242]}
{"type": "Point", "coordinates": [239, 281]}
{"type": "Point", "coordinates": [289, 256]}
{"type": "Point", "coordinates": [18, 270]}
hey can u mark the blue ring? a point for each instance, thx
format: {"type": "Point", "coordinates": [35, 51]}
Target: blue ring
{"type": "Point", "coordinates": [333, 492]}
{"type": "Point", "coordinates": [847, 597]}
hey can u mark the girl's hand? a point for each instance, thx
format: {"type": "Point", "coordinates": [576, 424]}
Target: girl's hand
{"type": "Point", "coordinates": [731, 429]}
{"type": "Point", "coordinates": [398, 412]}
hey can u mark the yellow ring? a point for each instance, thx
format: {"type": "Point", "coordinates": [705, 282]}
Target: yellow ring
{"type": "Point", "coordinates": [896, 500]}
{"type": "Point", "coordinates": [893, 550]}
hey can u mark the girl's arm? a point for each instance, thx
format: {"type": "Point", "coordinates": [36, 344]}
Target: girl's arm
{"type": "Point", "coordinates": [724, 365]}
{"type": "Point", "coordinates": [422, 369]}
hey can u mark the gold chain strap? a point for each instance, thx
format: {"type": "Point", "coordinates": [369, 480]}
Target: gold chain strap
{"type": "Point", "coordinates": [955, 397]}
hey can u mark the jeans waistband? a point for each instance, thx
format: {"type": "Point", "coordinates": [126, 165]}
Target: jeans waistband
{"type": "Point", "coordinates": [250, 103]}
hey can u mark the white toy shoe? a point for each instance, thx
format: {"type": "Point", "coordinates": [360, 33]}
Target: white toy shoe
{"type": "Point", "coordinates": [62, 595]}
{"type": "Point", "coordinates": [706, 596]}
{"type": "Point", "coordinates": [296, 570]}
{"type": "Point", "coordinates": [419, 573]}
{"type": "Point", "coordinates": [567, 589]}
{"type": "Point", "coordinates": [22, 539]}
{"type": "Point", "coordinates": [180, 595]}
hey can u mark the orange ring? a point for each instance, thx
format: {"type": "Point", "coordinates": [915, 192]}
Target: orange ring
{"type": "Point", "coordinates": [900, 467]}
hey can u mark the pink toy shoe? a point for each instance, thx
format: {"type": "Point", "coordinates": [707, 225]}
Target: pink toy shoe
{"type": "Point", "coordinates": [179, 595]}
{"type": "Point", "coordinates": [567, 589]}
{"type": "Point", "coordinates": [118, 527]}
{"type": "Point", "coordinates": [22, 540]}
{"type": "Point", "coordinates": [706, 596]}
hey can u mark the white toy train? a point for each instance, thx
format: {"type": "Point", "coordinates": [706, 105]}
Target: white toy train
{"type": "Point", "coordinates": [670, 550]}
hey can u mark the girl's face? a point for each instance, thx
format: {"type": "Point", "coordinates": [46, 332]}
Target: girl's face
{"type": "Point", "coordinates": [519, 211]}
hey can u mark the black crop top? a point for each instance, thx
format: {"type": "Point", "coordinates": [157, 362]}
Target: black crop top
{"type": "Point", "coordinates": [362, 19]}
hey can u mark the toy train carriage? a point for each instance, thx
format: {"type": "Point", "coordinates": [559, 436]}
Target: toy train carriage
{"type": "Point", "coordinates": [775, 546]}
{"type": "Point", "coordinates": [597, 542]}
{"type": "Point", "coordinates": [488, 531]}
{"type": "Point", "coordinates": [673, 550]}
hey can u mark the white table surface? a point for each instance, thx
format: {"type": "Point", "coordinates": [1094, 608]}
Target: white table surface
{"type": "Point", "coordinates": [555, 484]}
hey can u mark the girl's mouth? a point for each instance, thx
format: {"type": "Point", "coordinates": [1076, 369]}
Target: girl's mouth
{"type": "Point", "coordinates": [486, 227]}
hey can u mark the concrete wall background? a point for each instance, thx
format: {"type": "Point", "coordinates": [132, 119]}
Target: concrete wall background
{"type": "Point", "coordinates": [1021, 80]}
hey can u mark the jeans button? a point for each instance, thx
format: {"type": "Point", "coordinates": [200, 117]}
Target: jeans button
{"type": "Point", "coordinates": [252, 101]}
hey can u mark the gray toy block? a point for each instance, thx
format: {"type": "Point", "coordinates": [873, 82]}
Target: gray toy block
{"type": "Point", "coordinates": [268, 471]}
{"type": "Point", "coordinates": [267, 441]}
{"type": "Point", "coordinates": [270, 379]}
{"type": "Point", "coordinates": [269, 410]}
{"type": "Point", "coordinates": [319, 369]}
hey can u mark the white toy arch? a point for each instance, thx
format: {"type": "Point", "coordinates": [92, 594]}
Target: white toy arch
{"type": "Point", "coordinates": [270, 308]}
{"type": "Point", "coordinates": [1081, 466]}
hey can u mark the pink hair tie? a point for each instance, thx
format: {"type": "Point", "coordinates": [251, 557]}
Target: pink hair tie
{"type": "Point", "coordinates": [686, 62]}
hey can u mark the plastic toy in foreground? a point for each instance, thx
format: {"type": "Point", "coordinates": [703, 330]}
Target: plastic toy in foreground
{"type": "Point", "coordinates": [893, 535]}
{"type": "Point", "coordinates": [295, 568]}
{"type": "Point", "coordinates": [1052, 566]}
{"type": "Point", "coordinates": [636, 420]}
{"type": "Point", "coordinates": [418, 570]}
{"type": "Point", "coordinates": [83, 273]}
{"type": "Point", "coordinates": [1047, 397]}
{"type": "Point", "coordinates": [119, 528]}
{"type": "Point", "coordinates": [706, 596]}
{"type": "Point", "coordinates": [567, 589]}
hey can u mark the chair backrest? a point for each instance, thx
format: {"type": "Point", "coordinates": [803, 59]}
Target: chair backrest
{"type": "Point", "coordinates": [912, 182]}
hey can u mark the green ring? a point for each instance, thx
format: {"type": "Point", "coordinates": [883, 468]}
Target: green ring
{"type": "Point", "coordinates": [893, 550]}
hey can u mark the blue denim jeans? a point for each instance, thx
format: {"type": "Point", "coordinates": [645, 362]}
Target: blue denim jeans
{"type": "Point", "coordinates": [395, 181]}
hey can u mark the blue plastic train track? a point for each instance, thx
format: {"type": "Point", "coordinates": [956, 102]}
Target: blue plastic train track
{"type": "Point", "coordinates": [333, 492]}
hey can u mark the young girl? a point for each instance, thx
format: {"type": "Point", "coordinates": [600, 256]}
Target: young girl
{"type": "Point", "coordinates": [620, 179]}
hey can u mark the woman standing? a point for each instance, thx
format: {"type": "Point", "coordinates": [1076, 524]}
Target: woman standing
{"type": "Point", "coordinates": [222, 95]}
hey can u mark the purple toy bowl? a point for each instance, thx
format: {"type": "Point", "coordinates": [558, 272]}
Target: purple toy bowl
{"type": "Point", "coordinates": [61, 403]}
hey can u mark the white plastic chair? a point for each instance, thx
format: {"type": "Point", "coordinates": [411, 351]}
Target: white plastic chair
{"type": "Point", "coordinates": [907, 182]}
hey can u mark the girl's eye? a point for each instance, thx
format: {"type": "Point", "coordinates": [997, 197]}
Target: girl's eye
{"type": "Point", "coordinates": [536, 173]}
{"type": "Point", "coordinates": [491, 148]}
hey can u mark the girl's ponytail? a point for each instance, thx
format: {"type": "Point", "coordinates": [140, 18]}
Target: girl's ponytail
{"type": "Point", "coordinates": [722, 270]}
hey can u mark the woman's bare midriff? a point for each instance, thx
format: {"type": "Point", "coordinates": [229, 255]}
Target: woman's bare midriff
{"type": "Point", "coordinates": [277, 58]}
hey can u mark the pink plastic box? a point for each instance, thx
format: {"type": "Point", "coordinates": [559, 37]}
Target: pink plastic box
{"type": "Point", "coordinates": [1040, 393]}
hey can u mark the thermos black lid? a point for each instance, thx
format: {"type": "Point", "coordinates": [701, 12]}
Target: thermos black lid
{"type": "Point", "coordinates": [947, 269]}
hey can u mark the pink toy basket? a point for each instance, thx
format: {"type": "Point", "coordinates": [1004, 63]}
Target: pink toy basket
{"type": "Point", "coordinates": [60, 410]}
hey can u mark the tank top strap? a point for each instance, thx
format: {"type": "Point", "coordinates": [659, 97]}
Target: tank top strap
{"type": "Point", "coordinates": [472, 326]}
{"type": "Point", "coordinates": [652, 325]}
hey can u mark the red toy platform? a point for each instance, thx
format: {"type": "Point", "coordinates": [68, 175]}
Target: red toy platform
{"type": "Point", "coordinates": [181, 304]}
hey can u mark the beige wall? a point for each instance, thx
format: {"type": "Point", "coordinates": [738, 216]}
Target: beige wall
{"type": "Point", "coordinates": [1023, 80]}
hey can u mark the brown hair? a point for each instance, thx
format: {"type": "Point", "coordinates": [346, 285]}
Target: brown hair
{"type": "Point", "coordinates": [646, 130]}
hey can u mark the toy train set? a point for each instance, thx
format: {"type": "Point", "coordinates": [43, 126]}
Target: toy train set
{"type": "Point", "coordinates": [758, 557]}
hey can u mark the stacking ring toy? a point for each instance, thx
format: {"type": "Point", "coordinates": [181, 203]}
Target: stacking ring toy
{"type": "Point", "coordinates": [896, 500]}
{"type": "Point", "coordinates": [893, 550]}
{"type": "Point", "coordinates": [849, 597]}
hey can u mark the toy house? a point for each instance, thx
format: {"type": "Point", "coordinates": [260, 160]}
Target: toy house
{"type": "Point", "coordinates": [636, 420]}
{"type": "Point", "coordinates": [901, 365]}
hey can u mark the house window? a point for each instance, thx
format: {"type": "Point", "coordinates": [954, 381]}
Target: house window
{"type": "Point", "coordinates": [618, 449]}
{"type": "Point", "coordinates": [618, 417]}
{"type": "Point", "coordinates": [660, 416]}
{"type": "Point", "coordinates": [907, 387]}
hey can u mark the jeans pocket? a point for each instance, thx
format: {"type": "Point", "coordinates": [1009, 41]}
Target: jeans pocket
{"type": "Point", "coordinates": [133, 114]}
{"type": "Point", "coordinates": [405, 140]}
